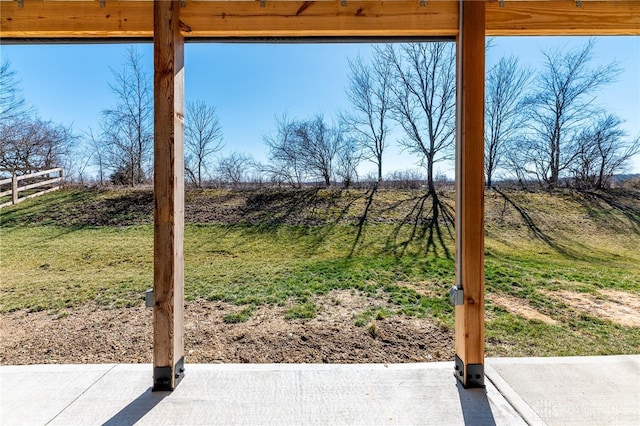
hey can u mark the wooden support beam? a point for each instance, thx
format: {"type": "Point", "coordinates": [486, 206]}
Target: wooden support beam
{"type": "Point", "coordinates": [566, 17]}
{"type": "Point", "coordinates": [469, 320]}
{"type": "Point", "coordinates": [398, 18]}
{"type": "Point", "coordinates": [168, 269]}
{"type": "Point", "coordinates": [212, 19]}
{"type": "Point", "coordinates": [64, 19]}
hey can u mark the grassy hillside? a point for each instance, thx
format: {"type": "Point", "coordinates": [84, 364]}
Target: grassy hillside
{"type": "Point", "coordinates": [562, 268]}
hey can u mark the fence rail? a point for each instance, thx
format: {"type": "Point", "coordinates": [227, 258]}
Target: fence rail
{"type": "Point", "coordinates": [48, 185]}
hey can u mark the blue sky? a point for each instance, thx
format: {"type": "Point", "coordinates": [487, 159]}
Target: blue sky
{"type": "Point", "coordinates": [250, 84]}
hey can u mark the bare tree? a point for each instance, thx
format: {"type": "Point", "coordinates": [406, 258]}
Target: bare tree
{"type": "Point", "coordinates": [77, 161]}
{"type": "Point", "coordinates": [12, 104]}
{"type": "Point", "coordinates": [32, 144]}
{"type": "Point", "coordinates": [99, 152]}
{"type": "Point", "coordinates": [319, 145]}
{"type": "Point", "coordinates": [13, 117]}
{"type": "Point", "coordinates": [424, 93]}
{"type": "Point", "coordinates": [234, 168]}
{"type": "Point", "coordinates": [348, 158]}
{"type": "Point", "coordinates": [27, 142]}
{"type": "Point", "coordinates": [407, 178]}
{"type": "Point", "coordinates": [602, 152]}
{"type": "Point", "coordinates": [514, 160]}
{"type": "Point", "coordinates": [303, 149]}
{"type": "Point", "coordinates": [369, 92]}
{"type": "Point", "coordinates": [561, 104]}
{"type": "Point", "coordinates": [127, 128]}
{"type": "Point", "coordinates": [203, 138]}
{"type": "Point", "coordinates": [504, 117]}
{"type": "Point", "coordinates": [286, 160]}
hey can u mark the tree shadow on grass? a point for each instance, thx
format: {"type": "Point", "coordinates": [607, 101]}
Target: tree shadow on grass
{"type": "Point", "coordinates": [363, 220]}
{"type": "Point", "coordinates": [87, 208]}
{"type": "Point", "coordinates": [46, 210]}
{"type": "Point", "coordinates": [417, 219]}
{"type": "Point", "coordinates": [315, 211]}
{"type": "Point", "coordinates": [618, 204]}
{"type": "Point", "coordinates": [269, 208]}
{"type": "Point", "coordinates": [531, 225]}
{"type": "Point", "coordinates": [572, 249]}
{"type": "Point", "coordinates": [428, 220]}
{"type": "Point", "coordinates": [132, 208]}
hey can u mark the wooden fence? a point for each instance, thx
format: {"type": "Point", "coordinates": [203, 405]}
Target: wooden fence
{"type": "Point", "coordinates": [43, 181]}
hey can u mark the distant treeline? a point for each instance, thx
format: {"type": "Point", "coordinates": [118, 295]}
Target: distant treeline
{"type": "Point", "coordinates": [542, 128]}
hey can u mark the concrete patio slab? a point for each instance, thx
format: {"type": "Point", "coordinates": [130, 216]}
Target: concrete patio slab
{"type": "Point", "coordinates": [574, 390]}
{"type": "Point", "coordinates": [589, 391]}
{"type": "Point", "coordinates": [266, 394]}
{"type": "Point", "coordinates": [35, 394]}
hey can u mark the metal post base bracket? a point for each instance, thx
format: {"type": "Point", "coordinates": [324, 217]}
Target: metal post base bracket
{"type": "Point", "coordinates": [456, 296]}
{"type": "Point", "coordinates": [162, 377]}
{"type": "Point", "coordinates": [475, 374]}
{"type": "Point", "coordinates": [148, 298]}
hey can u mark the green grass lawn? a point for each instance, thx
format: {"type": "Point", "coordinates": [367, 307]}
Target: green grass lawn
{"type": "Point", "coordinates": [48, 266]}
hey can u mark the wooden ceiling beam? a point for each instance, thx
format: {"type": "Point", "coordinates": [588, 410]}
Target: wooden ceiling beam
{"type": "Point", "coordinates": [60, 19]}
{"type": "Point", "coordinates": [533, 18]}
{"type": "Point", "coordinates": [323, 18]}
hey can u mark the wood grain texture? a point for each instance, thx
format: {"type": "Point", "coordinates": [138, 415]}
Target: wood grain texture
{"type": "Point", "coordinates": [210, 19]}
{"type": "Point", "coordinates": [168, 345]}
{"type": "Point", "coordinates": [86, 19]}
{"type": "Point", "coordinates": [612, 17]}
{"type": "Point", "coordinates": [299, 19]}
{"type": "Point", "coordinates": [469, 321]}
{"type": "Point", "coordinates": [80, 19]}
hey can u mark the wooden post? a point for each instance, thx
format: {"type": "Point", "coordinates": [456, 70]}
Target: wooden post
{"type": "Point", "coordinates": [168, 270]}
{"type": "Point", "coordinates": [14, 188]}
{"type": "Point", "coordinates": [469, 330]}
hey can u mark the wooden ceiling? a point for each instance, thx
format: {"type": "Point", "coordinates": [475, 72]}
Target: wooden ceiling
{"type": "Point", "coordinates": [31, 20]}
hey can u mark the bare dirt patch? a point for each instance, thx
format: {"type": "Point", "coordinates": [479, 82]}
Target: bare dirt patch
{"type": "Point", "coordinates": [423, 288]}
{"type": "Point", "coordinates": [91, 334]}
{"type": "Point", "coordinates": [518, 307]}
{"type": "Point", "coordinates": [616, 306]}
